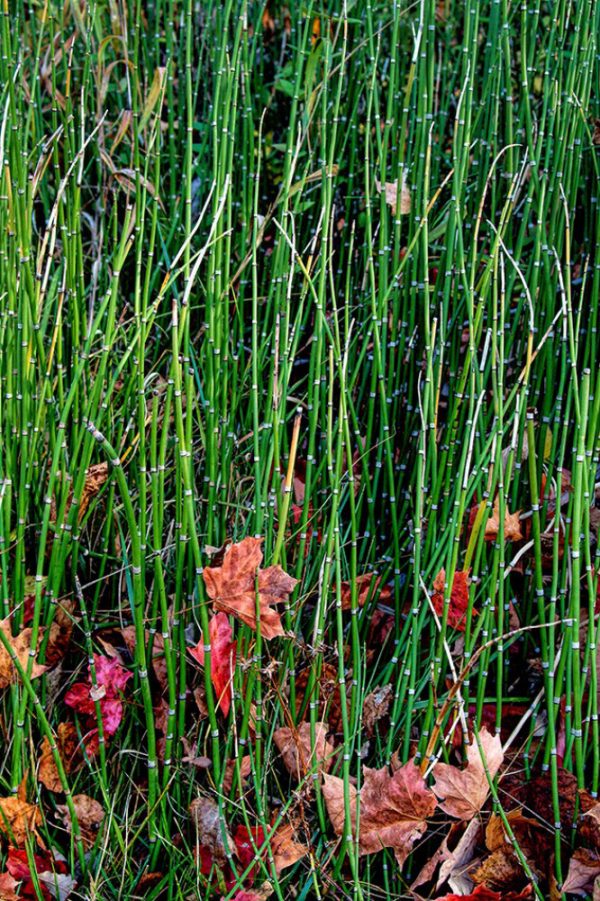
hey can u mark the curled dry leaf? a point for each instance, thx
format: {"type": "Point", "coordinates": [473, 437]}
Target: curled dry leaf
{"type": "Point", "coordinates": [59, 885]}
{"type": "Point", "coordinates": [222, 659]}
{"type": "Point", "coordinates": [95, 477]}
{"type": "Point", "coordinates": [393, 809]}
{"type": "Point", "coordinates": [375, 707]}
{"type": "Point", "coordinates": [500, 871]}
{"type": "Point", "coordinates": [212, 833]}
{"type": "Point", "coordinates": [245, 765]}
{"type": "Point", "coordinates": [454, 865]}
{"type": "Point", "coordinates": [233, 586]}
{"type": "Point", "coordinates": [393, 195]}
{"type": "Point", "coordinates": [462, 793]}
{"type": "Point", "coordinates": [18, 820]}
{"type": "Point", "coordinates": [512, 524]}
{"type": "Point", "coordinates": [90, 815]}
{"type": "Point", "coordinates": [300, 755]}
{"type": "Point", "coordinates": [67, 743]}
{"type": "Point", "coordinates": [20, 645]}
{"type": "Point", "coordinates": [459, 598]}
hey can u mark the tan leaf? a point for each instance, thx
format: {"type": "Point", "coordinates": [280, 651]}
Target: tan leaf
{"type": "Point", "coordinates": [462, 793]}
{"type": "Point", "coordinates": [375, 707]}
{"type": "Point", "coordinates": [20, 647]}
{"type": "Point", "coordinates": [68, 747]}
{"type": "Point", "coordinates": [155, 93]}
{"type": "Point", "coordinates": [212, 832]}
{"type": "Point", "coordinates": [512, 524]}
{"type": "Point", "coordinates": [232, 586]}
{"type": "Point", "coordinates": [453, 868]}
{"type": "Point", "coordinates": [392, 195]}
{"type": "Point", "coordinates": [286, 850]}
{"type": "Point", "coordinates": [393, 809]}
{"type": "Point", "coordinates": [90, 815]}
{"type": "Point", "coordinates": [95, 477]}
{"type": "Point", "coordinates": [500, 871]}
{"type": "Point", "coordinates": [298, 752]}
{"type": "Point", "coordinates": [18, 820]}
{"type": "Point", "coordinates": [584, 869]}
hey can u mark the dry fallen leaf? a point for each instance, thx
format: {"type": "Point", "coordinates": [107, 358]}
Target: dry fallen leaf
{"type": "Point", "coordinates": [584, 868]}
{"type": "Point", "coordinates": [393, 809]}
{"type": "Point", "coordinates": [232, 587]}
{"type": "Point", "coordinates": [500, 871]}
{"type": "Point", "coordinates": [212, 833]}
{"type": "Point", "coordinates": [60, 633]}
{"type": "Point", "coordinates": [245, 764]}
{"type": "Point", "coordinates": [90, 815]}
{"type": "Point", "coordinates": [298, 752]}
{"type": "Point", "coordinates": [392, 195]}
{"type": "Point", "coordinates": [20, 647]}
{"type": "Point", "coordinates": [453, 868]}
{"type": "Point", "coordinates": [375, 707]}
{"type": "Point", "coordinates": [512, 524]}
{"type": "Point", "coordinates": [68, 747]}
{"type": "Point", "coordinates": [462, 793]}
{"type": "Point", "coordinates": [18, 820]}
{"type": "Point", "coordinates": [95, 477]}
{"type": "Point", "coordinates": [286, 850]}
{"type": "Point", "coordinates": [366, 587]}
{"type": "Point", "coordinates": [8, 884]}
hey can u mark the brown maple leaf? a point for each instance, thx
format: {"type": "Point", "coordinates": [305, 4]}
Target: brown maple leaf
{"type": "Point", "coordinates": [233, 586]}
{"type": "Point", "coordinates": [462, 793]}
{"type": "Point", "coordinates": [20, 647]}
{"type": "Point", "coordinates": [584, 869]}
{"type": "Point", "coordinates": [512, 524]}
{"type": "Point", "coordinates": [90, 815]}
{"type": "Point", "coordinates": [299, 754]}
{"type": "Point", "coordinates": [393, 809]}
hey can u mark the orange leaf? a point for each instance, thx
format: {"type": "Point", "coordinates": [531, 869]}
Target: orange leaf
{"type": "Point", "coordinates": [232, 586]}
{"type": "Point", "coordinates": [20, 646]}
{"type": "Point", "coordinates": [18, 819]}
{"type": "Point", "coordinates": [393, 809]}
{"type": "Point", "coordinates": [286, 850]}
{"type": "Point", "coordinates": [462, 793]}
{"type": "Point", "coordinates": [68, 748]}
{"type": "Point", "coordinates": [512, 524]}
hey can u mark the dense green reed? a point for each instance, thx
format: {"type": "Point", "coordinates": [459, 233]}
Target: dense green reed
{"type": "Point", "coordinates": [195, 256]}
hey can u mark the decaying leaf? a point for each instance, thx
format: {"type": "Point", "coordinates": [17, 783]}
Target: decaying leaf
{"type": "Point", "coordinates": [454, 866]}
{"type": "Point", "coordinates": [393, 194]}
{"type": "Point", "coordinates": [90, 815]}
{"type": "Point", "coordinates": [245, 764]}
{"type": "Point", "coordinates": [500, 871]}
{"type": "Point", "coordinates": [20, 645]}
{"type": "Point", "coordinates": [60, 633]}
{"type": "Point", "coordinates": [512, 524]}
{"type": "Point", "coordinates": [393, 809]}
{"type": "Point", "coordinates": [462, 793]}
{"type": "Point", "coordinates": [211, 831]}
{"type": "Point", "coordinates": [286, 850]}
{"type": "Point", "coordinates": [233, 587]}
{"type": "Point", "coordinates": [18, 819]}
{"type": "Point", "coordinates": [584, 869]}
{"type": "Point", "coordinates": [366, 586]}
{"type": "Point", "coordinates": [8, 886]}
{"type": "Point", "coordinates": [375, 707]}
{"type": "Point", "coordinates": [222, 659]}
{"type": "Point", "coordinates": [67, 743]}
{"type": "Point", "coordinates": [299, 754]}
{"type": "Point", "coordinates": [95, 477]}
{"type": "Point", "coordinates": [459, 598]}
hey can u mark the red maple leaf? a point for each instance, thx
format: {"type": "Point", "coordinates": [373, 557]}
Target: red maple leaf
{"type": "Point", "coordinates": [459, 598]}
{"type": "Point", "coordinates": [222, 658]}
